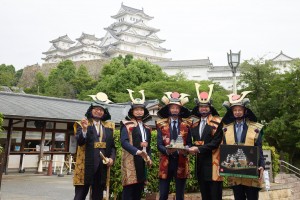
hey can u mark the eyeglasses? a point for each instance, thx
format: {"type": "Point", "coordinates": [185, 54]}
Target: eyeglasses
{"type": "Point", "coordinates": [98, 109]}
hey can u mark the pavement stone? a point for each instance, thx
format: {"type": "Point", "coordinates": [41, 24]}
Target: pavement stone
{"type": "Point", "coordinates": [25, 186]}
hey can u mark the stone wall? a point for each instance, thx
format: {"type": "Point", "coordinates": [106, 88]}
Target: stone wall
{"type": "Point", "coordinates": [28, 77]}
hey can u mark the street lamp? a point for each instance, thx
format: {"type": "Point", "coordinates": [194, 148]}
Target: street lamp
{"type": "Point", "coordinates": [233, 62]}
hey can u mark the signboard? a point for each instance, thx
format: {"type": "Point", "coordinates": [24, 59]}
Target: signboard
{"type": "Point", "coordinates": [239, 161]}
{"type": "Point", "coordinates": [268, 163]}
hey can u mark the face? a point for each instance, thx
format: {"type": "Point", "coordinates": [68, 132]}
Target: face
{"type": "Point", "coordinates": [98, 112]}
{"type": "Point", "coordinates": [204, 109]}
{"type": "Point", "coordinates": [174, 109]}
{"type": "Point", "coordinates": [138, 112]}
{"type": "Point", "coordinates": [238, 111]}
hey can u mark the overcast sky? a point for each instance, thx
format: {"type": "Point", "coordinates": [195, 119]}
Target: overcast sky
{"type": "Point", "coordinates": [193, 29]}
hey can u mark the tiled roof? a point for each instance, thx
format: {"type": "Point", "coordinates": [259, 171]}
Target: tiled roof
{"type": "Point", "coordinates": [184, 63]}
{"type": "Point", "coordinates": [16, 105]}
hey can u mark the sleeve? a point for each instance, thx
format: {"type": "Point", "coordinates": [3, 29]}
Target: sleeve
{"type": "Point", "coordinates": [125, 142]}
{"type": "Point", "coordinates": [261, 161]}
{"type": "Point", "coordinates": [80, 137]}
{"type": "Point", "coordinates": [149, 142]}
{"type": "Point", "coordinates": [160, 146]}
{"type": "Point", "coordinates": [113, 147]}
{"type": "Point", "coordinates": [213, 144]}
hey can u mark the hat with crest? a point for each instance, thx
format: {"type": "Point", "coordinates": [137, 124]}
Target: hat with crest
{"type": "Point", "coordinates": [137, 102]}
{"type": "Point", "coordinates": [238, 100]}
{"type": "Point", "coordinates": [174, 98]}
{"type": "Point", "coordinates": [204, 99]}
{"type": "Point", "coordinates": [100, 100]}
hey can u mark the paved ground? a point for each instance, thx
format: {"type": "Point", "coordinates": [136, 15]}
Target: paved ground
{"type": "Point", "coordinates": [30, 186]}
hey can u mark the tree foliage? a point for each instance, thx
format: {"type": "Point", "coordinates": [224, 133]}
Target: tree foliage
{"type": "Point", "coordinates": [276, 102]}
{"type": "Point", "coordinates": [125, 73]}
{"type": "Point", "coordinates": [7, 75]}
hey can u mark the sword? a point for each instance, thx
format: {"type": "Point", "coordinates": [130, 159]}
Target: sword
{"type": "Point", "coordinates": [105, 160]}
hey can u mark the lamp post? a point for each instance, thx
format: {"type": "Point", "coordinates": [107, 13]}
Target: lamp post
{"type": "Point", "coordinates": [233, 62]}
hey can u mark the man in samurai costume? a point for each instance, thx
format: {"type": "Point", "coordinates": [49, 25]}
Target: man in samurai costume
{"type": "Point", "coordinates": [94, 134]}
{"type": "Point", "coordinates": [240, 126]}
{"type": "Point", "coordinates": [173, 129]}
{"type": "Point", "coordinates": [206, 145]}
{"type": "Point", "coordinates": [136, 150]}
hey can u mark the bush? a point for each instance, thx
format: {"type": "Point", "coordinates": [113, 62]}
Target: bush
{"type": "Point", "coordinates": [152, 173]}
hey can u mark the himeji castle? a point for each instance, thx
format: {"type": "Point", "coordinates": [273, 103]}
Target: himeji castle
{"type": "Point", "coordinates": [129, 34]}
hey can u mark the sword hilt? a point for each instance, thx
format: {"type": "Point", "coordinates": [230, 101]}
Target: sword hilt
{"type": "Point", "coordinates": [105, 160]}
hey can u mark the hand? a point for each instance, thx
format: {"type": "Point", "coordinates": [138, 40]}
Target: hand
{"type": "Point", "coordinates": [84, 124]}
{"type": "Point", "coordinates": [141, 153]}
{"type": "Point", "coordinates": [261, 173]}
{"type": "Point", "coordinates": [144, 144]}
{"type": "Point", "coordinates": [149, 163]}
{"type": "Point", "coordinates": [193, 150]}
{"type": "Point", "coordinates": [110, 162]}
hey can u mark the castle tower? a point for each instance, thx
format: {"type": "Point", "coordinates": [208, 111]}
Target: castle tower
{"type": "Point", "coordinates": [58, 50]}
{"type": "Point", "coordinates": [130, 34]}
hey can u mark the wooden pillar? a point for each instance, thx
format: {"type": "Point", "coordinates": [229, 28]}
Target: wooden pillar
{"type": "Point", "coordinates": [22, 148]}
{"type": "Point", "coordinates": [41, 155]}
{"type": "Point", "coordinates": [1, 168]}
{"type": "Point", "coordinates": [8, 144]}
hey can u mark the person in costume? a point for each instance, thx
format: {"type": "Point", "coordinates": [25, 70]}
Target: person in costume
{"type": "Point", "coordinates": [206, 145]}
{"type": "Point", "coordinates": [173, 130]}
{"type": "Point", "coordinates": [136, 150]}
{"type": "Point", "coordinates": [94, 134]}
{"type": "Point", "coordinates": [240, 126]}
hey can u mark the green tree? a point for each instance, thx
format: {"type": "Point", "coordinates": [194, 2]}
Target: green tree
{"type": "Point", "coordinates": [82, 82]}
{"type": "Point", "coordinates": [18, 75]}
{"type": "Point", "coordinates": [59, 81]}
{"type": "Point", "coordinates": [38, 86]}
{"type": "Point", "coordinates": [257, 76]}
{"type": "Point", "coordinates": [7, 75]}
{"type": "Point", "coordinates": [275, 101]}
{"type": "Point", "coordinates": [283, 131]}
{"type": "Point", "coordinates": [116, 77]}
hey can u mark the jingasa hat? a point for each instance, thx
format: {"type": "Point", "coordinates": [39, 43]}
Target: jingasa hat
{"type": "Point", "coordinates": [203, 99]}
{"type": "Point", "coordinates": [100, 100]}
{"type": "Point", "coordinates": [238, 100]}
{"type": "Point", "coordinates": [138, 103]}
{"type": "Point", "coordinates": [174, 98]}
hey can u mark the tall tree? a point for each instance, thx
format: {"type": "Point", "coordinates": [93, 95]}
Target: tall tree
{"type": "Point", "coordinates": [275, 100]}
{"type": "Point", "coordinates": [7, 75]}
{"type": "Point", "coordinates": [82, 82]}
{"type": "Point", "coordinates": [59, 81]}
{"type": "Point", "coordinates": [283, 131]}
{"type": "Point", "coordinates": [116, 77]}
{"type": "Point", "coordinates": [257, 76]}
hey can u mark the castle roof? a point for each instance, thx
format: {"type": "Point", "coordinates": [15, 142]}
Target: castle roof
{"type": "Point", "coordinates": [88, 36]}
{"type": "Point", "coordinates": [138, 24]}
{"type": "Point", "coordinates": [282, 57]}
{"type": "Point", "coordinates": [133, 11]}
{"type": "Point", "coordinates": [64, 38]}
{"type": "Point", "coordinates": [184, 63]}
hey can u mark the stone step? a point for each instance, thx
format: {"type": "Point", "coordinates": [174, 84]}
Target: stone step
{"type": "Point", "coordinates": [296, 187]}
{"type": "Point", "coordinates": [296, 196]}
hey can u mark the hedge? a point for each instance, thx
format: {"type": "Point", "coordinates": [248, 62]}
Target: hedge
{"type": "Point", "coordinates": [152, 173]}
